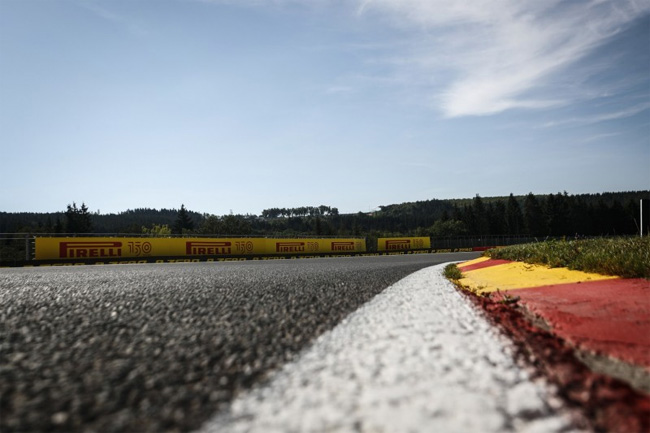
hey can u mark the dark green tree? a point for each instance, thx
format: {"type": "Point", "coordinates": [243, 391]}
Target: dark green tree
{"type": "Point", "coordinates": [497, 217]}
{"type": "Point", "coordinates": [183, 222]}
{"type": "Point", "coordinates": [457, 213]}
{"type": "Point", "coordinates": [447, 228]}
{"type": "Point", "coordinates": [318, 227]}
{"type": "Point", "coordinates": [579, 217]}
{"type": "Point", "coordinates": [632, 216]}
{"type": "Point", "coordinates": [235, 225]}
{"type": "Point", "coordinates": [469, 219]}
{"type": "Point", "coordinates": [482, 222]}
{"type": "Point", "coordinates": [533, 217]}
{"type": "Point", "coordinates": [78, 220]}
{"type": "Point", "coordinates": [58, 226]}
{"type": "Point", "coordinates": [619, 218]}
{"type": "Point", "coordinates": [211, 225]}
{"type": "Point", "coordinates": [324, 210]}
{"type": "Point", "coordinates": [514, 217]}
{"type": "Point", "coordinates": [556, 213]}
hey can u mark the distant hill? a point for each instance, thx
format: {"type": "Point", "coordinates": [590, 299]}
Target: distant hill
{"type": "Point", "coordinates": [549, 214]}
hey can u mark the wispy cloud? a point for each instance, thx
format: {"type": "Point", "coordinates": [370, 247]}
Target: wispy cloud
{"type": "Point", "coordinates": [497, 53]}
{"type": "Point", "coordinates": [108, 15]}
{"type": "Point", "coordinates": [482, 57]}
{"type": "Point", "coordinates": [599, 137]}
{"type": "Point", "coordinates": [601, 117]}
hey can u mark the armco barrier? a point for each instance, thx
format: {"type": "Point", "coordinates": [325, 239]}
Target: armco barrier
{"type": "Point", "coordinates": [109, 248]}
{"type": "Point", "coordinates": [403, 244]}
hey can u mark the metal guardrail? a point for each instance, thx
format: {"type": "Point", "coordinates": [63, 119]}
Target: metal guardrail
{"type": "Point", "coordinates": [16, 246]}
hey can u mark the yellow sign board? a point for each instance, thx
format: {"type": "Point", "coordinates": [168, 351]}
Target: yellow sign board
{"type": "Point", "coordinates": [315, 246]}
{"type": "Point", "coordinates": [403, 244]}
{"type": "Point", "coordinates": [113, 248]}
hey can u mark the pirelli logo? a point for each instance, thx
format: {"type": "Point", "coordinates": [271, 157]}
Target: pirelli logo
{"type": "Point", "coordinates": [398, 244]}
{"type": "Point", "coordinates": [289, 247]}
{"type": "Point", "coordinates": [200, 248]}
{"type": "Point", "coordinates": [89, 249]}
{"type": "Point", "coordinates": [342, 246]}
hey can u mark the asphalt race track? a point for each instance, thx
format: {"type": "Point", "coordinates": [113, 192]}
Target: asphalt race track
{"type": "Point", "coordinates": [416, 358]}
{"type": "Point", "coordinates": [164, 347]}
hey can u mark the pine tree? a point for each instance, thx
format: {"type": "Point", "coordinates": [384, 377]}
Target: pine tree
{"type": "Point", "coordinates": [482, 223]}
{"type": "Point", "coordinates": [183, 221]}
{"type": "Point", "coordinates": [58, 226]}
{"type": "Point", "coordinates": [497, 218]}
{"type": "Point", "coordinates": [78, 220]}
{"type": "Point", "coordinates": [533, 217]}
{"type": "Point", "coordinates": [514, 217]}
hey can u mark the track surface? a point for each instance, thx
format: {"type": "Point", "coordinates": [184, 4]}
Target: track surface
{"type": "Point", "coordinates": [416, 358]}
{"type": "Point", "coordinates": [163, 347]}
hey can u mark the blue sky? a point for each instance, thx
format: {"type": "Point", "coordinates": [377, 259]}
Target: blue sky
{"type": "Point", "coordinates": [249, 104]}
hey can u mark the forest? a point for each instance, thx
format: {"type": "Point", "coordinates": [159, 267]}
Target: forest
{"type": "Point", "coordinates": [561, 214]}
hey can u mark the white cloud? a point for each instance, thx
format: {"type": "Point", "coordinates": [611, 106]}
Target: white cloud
{"type": "Point", "coordinates": [601, 117]}
{"type": "Point", "coordinates": [599, 137]}
{"type": "Point", "coordinates": [497, 52]}
{"type": "Point", "coordinates": [621, 114]}
{"type": "Point", "coordinates": [482, 57]}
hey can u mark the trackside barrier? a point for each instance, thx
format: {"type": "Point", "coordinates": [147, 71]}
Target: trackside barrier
{"type": "Point", "coordinates": [94, 248]}
{"type": "Point", "coordinates": [72, 251]}
{"type": "Point", "coordinates": [403, 244]}
{"type": "Point", "coordinates": [197, 259]}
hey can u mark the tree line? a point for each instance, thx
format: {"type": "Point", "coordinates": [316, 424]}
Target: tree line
{"type": "Point", "coordinates": [551, 215]}
{"type": "Point", "coordinates": [303, 211]}
{"type": "Point", "coordinates": [558, 214]}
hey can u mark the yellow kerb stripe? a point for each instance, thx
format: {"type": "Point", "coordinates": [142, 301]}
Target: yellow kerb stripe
{"type": "Point", "coordinates": [473, 262]}
{"type": "Point", "coordinates": [517, 275]}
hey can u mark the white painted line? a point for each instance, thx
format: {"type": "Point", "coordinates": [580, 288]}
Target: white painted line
{"type": "Point", "coordinates": [417, 358]}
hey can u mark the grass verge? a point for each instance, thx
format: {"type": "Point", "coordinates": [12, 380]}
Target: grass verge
{"type": "Point", "coordinates": [452, 272]}
{"type": "Point", "coordinates": [624, 257]}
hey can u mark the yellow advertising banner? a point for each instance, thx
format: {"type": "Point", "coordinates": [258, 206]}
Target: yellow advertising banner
{"type": "Point", "coordinates": [403, 244]}
{"type": "Point", "coordinates": [115, 248]}
{"type": "Point", "coordinates": [112, 248]}
{"type": "Point", "coordinates": [315, 246]}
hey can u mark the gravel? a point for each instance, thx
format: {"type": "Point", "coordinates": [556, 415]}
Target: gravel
{"type": "Point", "coordinates": [161, 348]}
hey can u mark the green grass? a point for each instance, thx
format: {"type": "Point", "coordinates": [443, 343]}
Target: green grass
{"type": "Point", "coordinates": [624, 257]}
{"type": "Point", "coordinates": [452, 272]}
